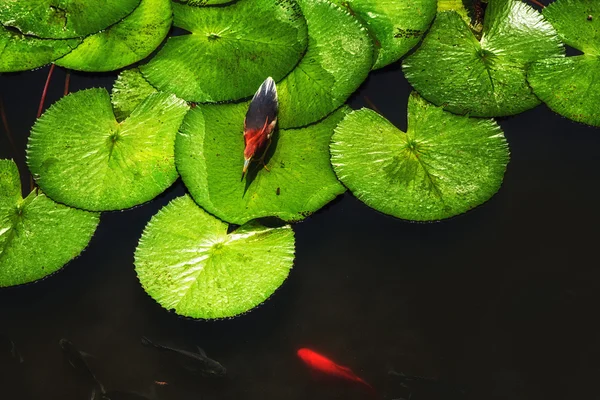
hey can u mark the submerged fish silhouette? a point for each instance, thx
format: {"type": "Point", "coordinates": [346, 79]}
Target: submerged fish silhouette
{"type": "Point", "coordinates": [77, 360]}
{"type": "Point", "coordinates": [194, 362]}
{"type": "Point", "coordinates": [9, 345]}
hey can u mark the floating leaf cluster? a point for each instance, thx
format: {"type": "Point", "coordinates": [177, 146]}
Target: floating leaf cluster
{"type": "Point", "coordinates": [179, 111]}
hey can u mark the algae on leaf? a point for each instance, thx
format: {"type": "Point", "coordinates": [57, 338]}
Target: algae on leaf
{"type": "Point", "coordinates": [337, 61]}
{"type": "Point", "coordinates": [63, 19]}
{"type": "Point", "coordinates": [124, 43]}
{"type": "Point", "coordinates": [129, 90]}
{"type": "Point", "coordinates": [483, 77]}
{"type": "Point", "coordinates": [396, 26]}
{"type": "Point", "coordinates": [37, 235]}
{"type": "Point", "coordinates": [21, 53]}
{"type": "Point", "coordinates": [188, 263]}
{"type": "Point", "coordinates": [444, 165]}
{"type": "Point", "coordinates": [81, 156]}
{"type": "Point", "coordinates": [299, 180]}
{"type": "Point", "coordinates": [230, 50]}
{"type": "Point", "coordinates": [570, 85]}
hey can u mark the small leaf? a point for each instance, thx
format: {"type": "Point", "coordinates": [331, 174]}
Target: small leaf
{"type": "Point", "coordinates": [396, 26]}
{"type": "Point", "coordinates": [570, 86]}
{"type": "Point", "coordinates": [21, 53]}
{"type": "Point", "coordinates": [483, 77]}
{"type": "Point", "coordinates": [81, 156]}
{"type": "Point", "coordinates": [37, 235]}
{"type": "Point", "coordinates": [230, 51]}
{"type": "Point", "coordinates": [209, 155]}
{"type": "Point", "coordinates": [188, 263]}
{"type": "Point", "coordinates": [129, 90]}
{"type": "Point", "coordinates": [63, 19]}
{"type": "Point", "coordinates": [124, 43]}
{"type": "Point", "coordinates": [338, 60]}
{"type": "Point", "coordinates": [443, 166]}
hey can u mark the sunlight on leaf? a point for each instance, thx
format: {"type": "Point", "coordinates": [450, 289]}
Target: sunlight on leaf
{"type": "Point", "coordinates": [443, 166]}
{"type": "Point", "coordinates": [188, 263]}
{"type": "Point", "coordinates": [37, 235]}
{"type": "Point", "coordinates": [209, 156]}
{"type": "Point", "coordinates": [129, 90]}
{"type": "Point", "coordinates": [230, 50]}
{"type": "Point", "coordinates": [81, 156]}
{"type": "Point", "coordinates": [483, 77]}
{"type": "Point", "coordinates": [570, 85]}
{"type": "Point", "coordinates": [124, 43]}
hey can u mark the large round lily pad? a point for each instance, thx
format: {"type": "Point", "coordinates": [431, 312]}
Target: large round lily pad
{"type": "Point", "coordinates": [188, 263]}
{"type": "Point", "coordinates": [396, 26]}
{"type": "Point", "coordinates": [230, 50]}
{"type": "Point", "coordinates": [129, 90]}
{"type": "Point", "coordinates": [338, 60]}
{"type": "Point", "coordinates": [62, 19]}
{"type": "Point", "coordinates": [570, 85]}
{"type": "Point", "coordinates": [81, 156]}
{"type": "Point", "coordinates": [209, 155]}
{"type": "Point", "coordinates": [483, 77]}
{"type": "Point", "coordinates": [444, 165]}
{"type": "Point", "coordinates": [37, 235]}
{"type": "Point", "coordinates": [21, 53]}
{"type": "Point", "coordinates": [124, 43]}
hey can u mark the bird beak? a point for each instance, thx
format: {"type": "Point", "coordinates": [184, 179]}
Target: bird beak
{"type": "Point", "coordinates": [245, 169]}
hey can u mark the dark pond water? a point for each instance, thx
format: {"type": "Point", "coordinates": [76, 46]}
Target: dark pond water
{"type": "Point", "coordinates": [501, 301]}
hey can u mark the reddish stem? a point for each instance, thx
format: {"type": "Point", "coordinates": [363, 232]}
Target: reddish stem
{"type": "Point", "coordinates": [371, 104]}
{"type": "Point", "coordinates": [537, 3]}
{"type": "Point", "coordinates": [67, 82]}
{"type": "Point", "coordinates": [43, 99]}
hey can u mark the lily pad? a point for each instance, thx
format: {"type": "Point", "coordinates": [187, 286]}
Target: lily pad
{"type": "Point", "coordinates": [129, 90]}
{"type": "Point", "coordinates": [201, 3]}
{"type": "Point", "coordinates": [209, 155]}
{"type": "Point", "coordinates": [483, 77]}
{"type": "Point", "coordinates": [37, 235]}
{"type": "Point", "coordinates": [124, 43]}
{"type": "Point", "coordinates": [230, 51]}
{"type": "Point", "coordinates": [338, 60]}
{"type": "Point", "coordinates": [21, 53]}
{"type": "Point", "coordinates": [444, 165]}
{"type": "Point", "coordinates": [63, 19]}
{"type": "Point", "coordinates": [188, 263]}
{"type": "Point", "coordinates": [81, 156]}
{"type": "Point", "coordinates": [396, 26]}
{"type": "Point", "coordinates": [570, 85]}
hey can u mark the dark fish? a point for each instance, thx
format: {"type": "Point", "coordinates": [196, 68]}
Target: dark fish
{"type": "Point", "coordinates": [77, 360]}
{"type": "Point", "coordinates": [195, 362]}
{"type": "Point", "coordinates": [260, 122]}
{"type": "Point", "coordinates": [11, 349]}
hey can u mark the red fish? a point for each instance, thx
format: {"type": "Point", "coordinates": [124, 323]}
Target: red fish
{"type": "Point", "coordinates": [323, 364]}
{"type": "Point", "coordinates": [260, 122]}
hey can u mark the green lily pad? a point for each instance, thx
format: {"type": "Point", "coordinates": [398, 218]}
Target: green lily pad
{"type": "Point", "coordinates": [37, 236]}
{"type": "Point", "coordinates": [396, 26]}
{"type": "Point", "coordinates": [124, 43]}
{"type": "Point", "coordinates": [230, 51]}
{"type": "Point", "coordinates": [129, 90]}
{"type": "Point", "coordinates": [338, 60]}
{"type": "Point", "coordinates": [188, 263]}
{"type": "Point", "coordinates": [81, 156]}
{"type": "Point", "coordinates": [201, 3]}
{"type": "Point", "coordinates": [570, 85]}
{"type": "Point", "coordinates": [483, 77]}
{"type": "Point", "coordinates": [443, 166]}
{"type": "Point", "coordinates": [209, 156]}
{"type": "Point", "coordinates": [63, 19]}
{"type": "Point", "coordinates": [21, 53]}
